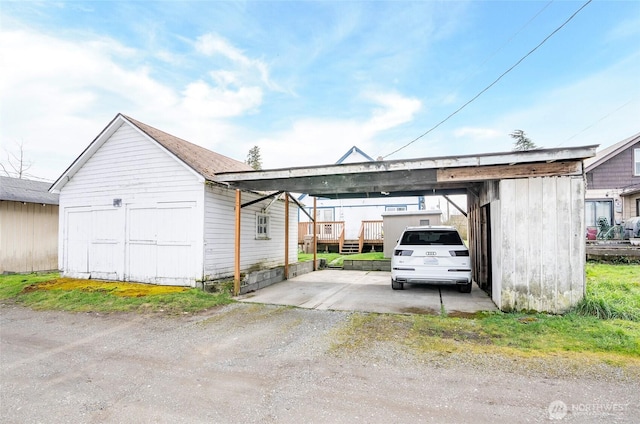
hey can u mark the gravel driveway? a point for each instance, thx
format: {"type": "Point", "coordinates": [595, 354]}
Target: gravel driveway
{"type": "Point", "coordinates": [247, 363]}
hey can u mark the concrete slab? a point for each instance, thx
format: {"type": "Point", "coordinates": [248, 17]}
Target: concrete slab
{"type": "Point", "coordinates": [367, 291]}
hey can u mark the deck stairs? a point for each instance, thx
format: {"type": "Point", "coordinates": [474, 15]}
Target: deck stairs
{"type": "Point", "coordinates": [350, 247]}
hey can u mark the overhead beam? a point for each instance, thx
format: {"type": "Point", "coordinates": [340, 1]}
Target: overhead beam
{"type": "Point", "coordinates": [261, 199]}
{"type": "Point", "coordinates": [498, 172]}
{"type": "Point", "coordinates": [455, 205]}
{"type": "Point", "coordinates": [488, 159]}
{"type": "Point", "coordinates": [417, 191]}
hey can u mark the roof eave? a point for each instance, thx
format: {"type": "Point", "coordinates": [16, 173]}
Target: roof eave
{"type": "Point", "coordinates": [87, 153]}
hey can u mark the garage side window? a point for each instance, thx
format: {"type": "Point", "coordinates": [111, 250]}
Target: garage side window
{"type": "Point", "coordinates": [262, 226]}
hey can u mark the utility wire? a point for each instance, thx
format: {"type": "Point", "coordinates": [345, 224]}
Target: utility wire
{"type": "Point", "coordinates": [496, 51]}
{"type": "Point", "coordinates": [492, 84]}
{"type": "Point", "coordinates": [595, 123]}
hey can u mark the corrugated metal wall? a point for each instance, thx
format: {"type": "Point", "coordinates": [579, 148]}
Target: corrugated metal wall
{"type": "Point", "coordinates": [28, 237]}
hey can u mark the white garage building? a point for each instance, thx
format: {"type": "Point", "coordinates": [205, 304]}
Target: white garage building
{"type": "Point", "coordinates": [141, 205]}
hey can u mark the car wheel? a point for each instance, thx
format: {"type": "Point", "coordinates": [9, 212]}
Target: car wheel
{"type": "Point", "coordinates": [396, 286]}
{"type": "Point", "coordinates": [464, 288]}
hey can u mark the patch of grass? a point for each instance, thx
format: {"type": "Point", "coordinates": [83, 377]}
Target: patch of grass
{"type": "Point", "coordinates": [336, 259]}
{"type": "Point", "coordinates": [51, 292]}
{"type": "Point", "coordinates": [305, 257]}
{"type": "Point", "coordinates": [369, 256]}
{"type": "Point", "coordinates": [613, 292]}
{"type": "Point", "coordinates": [522, 335]}
{"type": "Point", "coordinates": [11, 285]}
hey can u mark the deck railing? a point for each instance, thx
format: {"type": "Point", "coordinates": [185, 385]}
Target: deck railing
{"type": "Point", "coordinates": [333, 232]}
{"type": "Point", "coordinates": [370, 232]}
{"type": "Point", "coordinates": [326, 231]}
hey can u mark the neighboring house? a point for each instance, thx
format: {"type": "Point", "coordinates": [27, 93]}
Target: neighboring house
{"type": "Point", "coordinates": [613, 183]}
{"type": "Point", "coordinates": [140, 205]}
{"type": "Point", "coordinates": [28, 226]}
{"type": "Point", "coordinates": [359, 216]}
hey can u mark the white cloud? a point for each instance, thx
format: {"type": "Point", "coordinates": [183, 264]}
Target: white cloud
{"type": "Point", "coordinates": [202, 100]}
{"type": "Point", "coordinates": [323, 141]}
{"type": "Point", "coordinates": [241, 65]}
{"type": "Point", "coordinates": [396, 110]}
{"type": "Point", "coordinates": [58, 94]}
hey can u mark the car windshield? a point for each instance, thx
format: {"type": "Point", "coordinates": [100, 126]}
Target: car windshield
{"type": "Point", "coordinates": [430, 237]}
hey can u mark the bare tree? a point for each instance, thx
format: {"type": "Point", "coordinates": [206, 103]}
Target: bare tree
{"type": "Point", "coordinates": [522, 142]}
{"type": "Point", "coordinates": [16, 165]}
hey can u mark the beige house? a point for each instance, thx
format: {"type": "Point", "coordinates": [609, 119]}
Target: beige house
{"type": "Point", "coordinates": [28, 226]}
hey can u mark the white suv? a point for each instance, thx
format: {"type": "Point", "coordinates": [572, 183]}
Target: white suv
{"type": "Point", "coordinates": [431, 255]}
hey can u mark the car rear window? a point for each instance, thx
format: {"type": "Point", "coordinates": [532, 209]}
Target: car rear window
{"type": "Point", "coordinates": [429, 237]}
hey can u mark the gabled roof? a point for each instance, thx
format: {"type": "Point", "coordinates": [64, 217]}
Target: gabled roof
{"type": "Point", "coordinates": [202, 161]}
{"type": "Point", "coordinates": [352, 150]}
{"type": "Point", "coordinates": [29, 191]}
{"type": "Point", "coordinates": [611, 151]}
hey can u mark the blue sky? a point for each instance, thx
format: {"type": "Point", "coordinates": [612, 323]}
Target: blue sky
{"type": "Point", "coordinates": [307, 80]}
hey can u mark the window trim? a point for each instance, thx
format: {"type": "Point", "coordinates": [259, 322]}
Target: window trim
{"type": "Point", "coordinates": [267, 226]}
{"type": "Point", "coordinates": [636, 162]}
{"type": "Point", "coordinates": [611, 211]}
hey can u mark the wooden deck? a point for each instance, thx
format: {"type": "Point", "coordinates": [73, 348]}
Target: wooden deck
{"type": "Point", "coordinates": [331, 233]}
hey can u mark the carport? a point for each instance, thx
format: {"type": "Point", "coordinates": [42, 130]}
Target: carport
{"type": "Point", "coordinates": [525, 209]}
{"type": "Point", "coordinates": [368, 291]}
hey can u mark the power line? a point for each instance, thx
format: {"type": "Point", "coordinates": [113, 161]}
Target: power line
{"type": "Point", "coordinates": [496, 51]}
{"type": "Point", "coordinates": [595, 123]}
{"type": "Point", "coordinates": [492, 84]}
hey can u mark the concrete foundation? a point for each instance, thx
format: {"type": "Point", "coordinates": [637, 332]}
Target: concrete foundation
{"type": "Point", "coordinates": [261, 279]}
{"type": "Point", "coordinates": [360, 265]}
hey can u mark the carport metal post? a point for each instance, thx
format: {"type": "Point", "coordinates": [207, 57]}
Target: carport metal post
{"type": "Point", "coordinates": [286, 236]}
{"type": "Point", "coordinates": [236, 274]}
{"type": "Point", "coordinates": [315, 236]}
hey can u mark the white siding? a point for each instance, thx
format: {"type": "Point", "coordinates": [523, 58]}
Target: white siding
{"type": "Point", "coordinates": [220, 233]}
{"type": "Point", "coordinates": [130, 167]}
{"type": "Point", "coordinates": [538, 244]}
{"type": "Point", "coordinates": [354, 211]}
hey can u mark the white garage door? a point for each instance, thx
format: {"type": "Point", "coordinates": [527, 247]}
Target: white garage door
{"type": "Point", "coordinates": [151, 244]}
{"type": "Point", "coordinates": [160, 243]}
{"type": "Point", "coordinates": [93, 243]}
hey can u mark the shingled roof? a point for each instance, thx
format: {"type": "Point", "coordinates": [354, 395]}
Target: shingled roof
{"type": "Point", "coordinates": [611, 151]}
{"type": "Point", "coordinates": [203, 161]}
{"type": "Point", "coordinates": [29, 191]}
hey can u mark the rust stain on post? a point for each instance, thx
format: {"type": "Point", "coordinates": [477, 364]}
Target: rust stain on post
{"type": "Point", "coordinates": [236, 274]}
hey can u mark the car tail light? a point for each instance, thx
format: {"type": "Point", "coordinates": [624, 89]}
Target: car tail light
{"type": "Point", "coordinates": [459, 252]}
{"type": "Point", "coordinates": [400, 252]}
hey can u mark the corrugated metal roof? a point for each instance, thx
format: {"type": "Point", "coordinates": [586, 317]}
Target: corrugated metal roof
{"type": "Point", "coordinates": [203, 161]}
{"type": "Point", "coordinates": [21, 190]}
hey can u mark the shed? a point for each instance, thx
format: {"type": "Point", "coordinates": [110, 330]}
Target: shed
{"type": "Point", "coordinates": [395, 222]}
{"type": "Point", "coordinates": [141, 205]}
{"type": "Point", "coordinates": [28, 226]}
{"type": "Point", "coordinates": [526, 213]}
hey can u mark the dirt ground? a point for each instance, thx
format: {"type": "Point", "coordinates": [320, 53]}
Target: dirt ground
{"type": "Point", "coordinates": [268, 364]}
